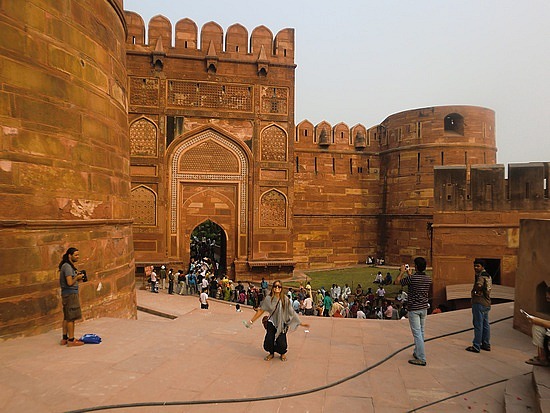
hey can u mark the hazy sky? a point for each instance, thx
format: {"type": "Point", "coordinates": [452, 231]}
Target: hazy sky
{"type": "Point", "coordinates": [363, 60]}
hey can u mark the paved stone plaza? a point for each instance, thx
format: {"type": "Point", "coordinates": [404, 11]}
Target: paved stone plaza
{"type": "Point", "coordinates": [205, 355]}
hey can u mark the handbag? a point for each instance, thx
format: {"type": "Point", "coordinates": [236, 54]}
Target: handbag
{"type": "Point", "coordinates": [90, 339]}
{"type": "Point", "coordinates": [264, 321]}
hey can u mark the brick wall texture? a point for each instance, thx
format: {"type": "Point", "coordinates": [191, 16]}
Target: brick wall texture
{"type": "Point", "coordinates": [64, 169]}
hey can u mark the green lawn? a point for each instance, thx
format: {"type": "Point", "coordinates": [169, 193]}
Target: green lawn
{"type": "Point", "coordinates": [363, 275]}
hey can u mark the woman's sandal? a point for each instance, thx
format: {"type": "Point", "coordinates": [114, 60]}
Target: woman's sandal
{"type": "Point", "coordinates": [283, 357]}
{"type": "Point", "coordinates": [269, 357]}
{"type": "Point", "coordinates": [535, 361]}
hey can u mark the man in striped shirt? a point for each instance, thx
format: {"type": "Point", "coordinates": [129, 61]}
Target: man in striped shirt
{"type": "Point", "coordinates": [419, 288]}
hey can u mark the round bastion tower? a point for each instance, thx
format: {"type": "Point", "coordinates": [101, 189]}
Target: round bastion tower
{"type": "Point", "coordinates": [411, 144]}
{"type": "Point", "coordinates": [64, 169]}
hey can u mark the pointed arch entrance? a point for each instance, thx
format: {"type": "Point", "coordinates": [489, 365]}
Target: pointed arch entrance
{"type": "Point", "coordinates": [209, 180]}
{"type": "Point", "coordinates": [209, 240]}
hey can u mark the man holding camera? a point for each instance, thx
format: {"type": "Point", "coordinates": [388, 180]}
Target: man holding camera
{"type": "Point", "coordinates": [419, 285]}
{"type": "Point", "coordinates": [69, 277]}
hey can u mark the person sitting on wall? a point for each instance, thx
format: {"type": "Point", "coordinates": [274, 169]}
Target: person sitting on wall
{"type": "Point", "coordinates": [541, 337]}
{"type": "Point", "coordinates": [402, 297]}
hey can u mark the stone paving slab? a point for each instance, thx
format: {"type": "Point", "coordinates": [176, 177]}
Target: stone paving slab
{"type": "Point", "coordinates": [209, 355]}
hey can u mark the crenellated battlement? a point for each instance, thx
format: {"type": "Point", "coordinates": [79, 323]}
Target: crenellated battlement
{"type": "Point", "coordinates": [485, 188]}
{"type": "Point", "coordinates": [339, 136]}
{"type": "Point", "coordinates": [212, 43]}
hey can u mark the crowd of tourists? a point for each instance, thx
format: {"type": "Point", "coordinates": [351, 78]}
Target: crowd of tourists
{"type": "Point", "coordinates": [342, 302]}
{"type": "Point", "coordinates": [338, 301]}
{"type": "Point", "coordinates": [201, 277]}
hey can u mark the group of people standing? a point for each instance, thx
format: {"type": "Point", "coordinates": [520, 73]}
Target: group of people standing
{"type": "Point", "coordinates": [419, 285]}
{"type": "Point", "coordinates": [283, 309]}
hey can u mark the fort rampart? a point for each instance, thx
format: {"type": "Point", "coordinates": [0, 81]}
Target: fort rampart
{"type": "Point", "coordinates": [64, 169]}
{"type": "Point", "coordinates": [478, 214]}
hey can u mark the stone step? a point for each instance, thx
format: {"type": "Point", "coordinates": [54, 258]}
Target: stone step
{"type": "Point", "coordinates": [519, 395]}
{"type": "Point", "coordinates": [541, 383]}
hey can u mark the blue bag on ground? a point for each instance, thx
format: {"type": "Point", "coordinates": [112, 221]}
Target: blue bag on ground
{"type": "Point", "coordinates": [90, 339]}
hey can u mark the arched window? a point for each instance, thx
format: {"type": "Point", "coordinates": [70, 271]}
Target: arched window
{"type": "Point", "coordinates": [454, 123]}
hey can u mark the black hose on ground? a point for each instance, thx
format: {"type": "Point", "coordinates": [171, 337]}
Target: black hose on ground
{"type": "Point", "coordinates": [298, 393]}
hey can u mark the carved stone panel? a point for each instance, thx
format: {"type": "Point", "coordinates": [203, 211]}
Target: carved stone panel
{"type": "Point", "coordinates": [273, 210]}
{"type": "Point", "coordinates": [207, 95]}
{"type": "Point", "coordinates": [273, 144]}
{"type": "Point", "coordinates": [144, 91]}
{"type": "Point", "coordinates": [144, 206]}
{"type": "Point", "coordinates": [143, 138]}
{"type": "Point", "coordinates": [274, 100]}
{"type": "Point", "coordinates": [209, 156]}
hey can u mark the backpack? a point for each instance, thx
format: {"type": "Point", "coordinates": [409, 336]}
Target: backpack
{"type": "Point", "coordinates": [90, 339]}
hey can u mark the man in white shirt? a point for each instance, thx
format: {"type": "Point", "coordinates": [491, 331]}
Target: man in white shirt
{"type": "Point", "coordinates": [204, 299]}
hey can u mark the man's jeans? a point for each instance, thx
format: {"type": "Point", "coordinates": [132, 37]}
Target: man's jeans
{"type": "Point", "coordinates": [482, 332]}
{"type": "Point", "coordinates": [417, 319]}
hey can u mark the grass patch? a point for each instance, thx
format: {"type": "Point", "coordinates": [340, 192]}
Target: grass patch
{"type": "Point", "coordinates": [363, 275]}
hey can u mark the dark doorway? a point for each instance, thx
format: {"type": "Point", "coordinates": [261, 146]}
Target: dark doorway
{"type": "Point", "coordinates": [492, 266]}
{"type": "Point", "coordinates": [209, 240]}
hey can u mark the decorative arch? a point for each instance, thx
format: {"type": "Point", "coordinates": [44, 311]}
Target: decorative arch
{"type": "Point", "coordinates": [273, 209]}
{"type": "Point", "coordinates": [209, 156]}
{"type": "Point", "coordinates": [218, 174]}
{"type": "Point", "coordinates": [273, 143]}
{"type": "Point", "coordinates": [143, 138]}
{"type": "Point", "coordinates": [144, 206]}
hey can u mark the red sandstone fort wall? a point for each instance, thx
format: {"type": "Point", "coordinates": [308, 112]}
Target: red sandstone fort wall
{"type": "Point", "coordinates": [64, 173]}
{"type": "Point", "coordinates": [412, 143]}
{"type": "Point", "coordinates": [478, 214]}
{"type": "Point", "coordinates": [194, 106]}
{"type": "Point", "coordinates": [336, 195]}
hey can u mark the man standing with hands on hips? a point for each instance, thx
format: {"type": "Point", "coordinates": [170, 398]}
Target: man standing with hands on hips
{"type": "Point", "coordinates": [419, 288]}
{"type": "Point", "coordinates": [481, 305]}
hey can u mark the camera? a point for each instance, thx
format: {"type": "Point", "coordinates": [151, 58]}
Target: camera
{"type": "Point", "coordinates": [407, 267]}
{"type": "Point", "coordinates": [84, 276]}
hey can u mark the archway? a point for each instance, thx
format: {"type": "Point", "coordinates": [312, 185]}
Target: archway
{"type": "Point", "coordinates": [209, 180]}
{"type": "Point", "coordinates": [209, 240]}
